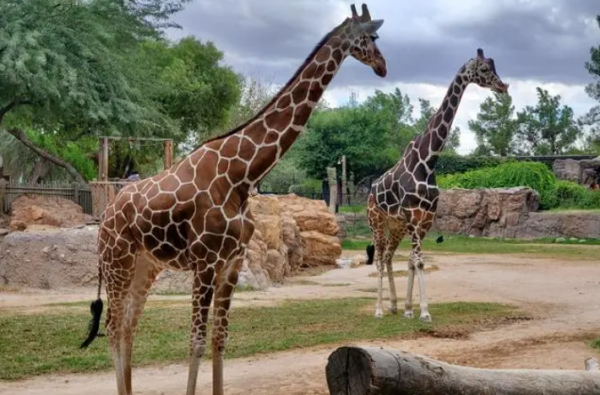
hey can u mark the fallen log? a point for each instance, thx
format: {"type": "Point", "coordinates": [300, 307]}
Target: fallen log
{"type": "Point", "coordinates": [378, 371]}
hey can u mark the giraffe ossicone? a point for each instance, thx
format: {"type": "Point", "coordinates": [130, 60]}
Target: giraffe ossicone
{"type": "Point", "coordinates": [403, 200]}
{"type": "Point", "coordinates": [195, 215]}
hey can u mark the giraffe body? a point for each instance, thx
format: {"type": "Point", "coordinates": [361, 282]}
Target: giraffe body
{"type": "Point", "coordinates": [403, 201]}
{"type": "Point", "coordinates": [195, 216]}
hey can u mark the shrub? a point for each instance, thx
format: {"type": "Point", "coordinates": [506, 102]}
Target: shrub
{"type": "Point", "coordinates": [534, 175]}
{"type": "Point", "coordinates": [573, 195]}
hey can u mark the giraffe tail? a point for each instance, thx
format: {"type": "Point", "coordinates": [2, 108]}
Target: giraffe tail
{"type": "Point", "coordinates": [96, 309]}
{"type": "Point", "coordinates": [370, 254]}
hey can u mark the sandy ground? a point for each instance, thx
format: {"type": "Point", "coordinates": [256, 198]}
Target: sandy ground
{"type": "Point", "coordinates": [561, 296]}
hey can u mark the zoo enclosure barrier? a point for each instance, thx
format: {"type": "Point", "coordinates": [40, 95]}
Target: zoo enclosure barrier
{"type": "Point", "coordinates": [79, 194]}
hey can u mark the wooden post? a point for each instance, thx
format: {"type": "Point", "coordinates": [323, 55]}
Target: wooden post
{"type": "Point", "coordinates": [76, 193]}
{"type": "Point", "coordinates": [168, 159]}
{"type": "Point", "coordinates": [103, 159]}
{"type": "Point", "coordinates": [2, 194]}
{"type": "Point", "coordinates": [344, 182]}
{"type": "Point", "coordinates": [332, 178]}
{"type": "Point", "coordinates": [378, 371]}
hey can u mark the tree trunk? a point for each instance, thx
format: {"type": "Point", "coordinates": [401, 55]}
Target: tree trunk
{"type": "Point", "coordinates": [377, 371]}
{"type": "Point", "coordinates": [40, 171]}
{"type": "Point", "coordinates": [20, 135]}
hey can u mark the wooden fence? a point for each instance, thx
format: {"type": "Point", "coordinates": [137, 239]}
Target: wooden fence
{"type": "Point", "coordinates": [79, 194]}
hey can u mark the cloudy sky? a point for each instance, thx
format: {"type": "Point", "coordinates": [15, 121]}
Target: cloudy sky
{"type": "Point", "coordinates": [533, 42]}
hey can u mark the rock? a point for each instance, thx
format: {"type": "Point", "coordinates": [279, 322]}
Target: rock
{"type": "Point", "coordinates": [320, 249]}
{"type": "Point", "coordinates": [560, 240]}
{"type": "Point", "coordinates": [30, 210]}
{"type": "Point", "coordinates": [4, 232]}
{"type": "Point", "coordinates": [573, 239]}
{"type": "Point", "coordinates": [567, 169]}
{"type": "Point", "coordinates": [58, 257]}
{"type": "Point", "coordinates": [582, 240]}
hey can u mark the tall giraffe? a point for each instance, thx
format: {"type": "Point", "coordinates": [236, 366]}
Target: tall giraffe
{"type": "Point", "coordinates": [404, 199]}
{"type": "Point", "coordinates": [195, 215]}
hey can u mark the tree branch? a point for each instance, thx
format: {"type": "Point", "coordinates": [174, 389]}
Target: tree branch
{"type": "Point", "coordinates": [10, 106]}
{"type": "Point", "coordinates": [22, 137]}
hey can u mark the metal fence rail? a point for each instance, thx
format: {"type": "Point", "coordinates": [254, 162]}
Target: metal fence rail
{"type": "Point", "coordinates": [79, 194]}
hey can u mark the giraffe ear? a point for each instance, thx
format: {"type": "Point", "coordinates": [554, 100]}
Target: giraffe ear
{"type": "Point", "coordinates": [371, 26]}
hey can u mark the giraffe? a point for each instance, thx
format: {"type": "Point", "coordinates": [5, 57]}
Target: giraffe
{"type": "Point", "coordinates": [195, 215]}
{"type": "Point", "coordinates": [404, 199]}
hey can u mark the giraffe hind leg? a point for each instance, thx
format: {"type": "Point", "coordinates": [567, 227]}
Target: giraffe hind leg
{"type": "Point", "coordinates": [377, 224]}
{"type": "Point", "coordinates": [128, 290]}
{"type": "Point", "coordinates": [201, 300]}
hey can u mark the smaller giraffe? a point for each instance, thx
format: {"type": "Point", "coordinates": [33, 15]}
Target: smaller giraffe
{"type": "Point", "coordinates": [404, 199]}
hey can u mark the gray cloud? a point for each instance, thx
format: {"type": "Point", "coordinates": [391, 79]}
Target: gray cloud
{"type": "Point", "coordinates": [546, 40]}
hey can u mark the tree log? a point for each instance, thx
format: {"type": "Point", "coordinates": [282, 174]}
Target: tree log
{"type": "Point", "coordinates": [377, 371]}
{"type": "Point", "coordinates": [20, 135]}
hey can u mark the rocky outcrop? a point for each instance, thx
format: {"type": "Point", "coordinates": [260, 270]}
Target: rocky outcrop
{"type": "Point", "coordinates": [510, 213]}
{"type": "Point", "coordinates": [291, 233]}
{"type": "Point", "coordinates": [585, 171]}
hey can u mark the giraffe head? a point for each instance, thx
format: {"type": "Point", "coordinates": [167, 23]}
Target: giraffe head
{"type": "Point", "coordinates": [482, 71]}
{"type": "Point", "coordinates": [362, 33]}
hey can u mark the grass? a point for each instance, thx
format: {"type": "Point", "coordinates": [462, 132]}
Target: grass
{"type": "Point", "coordinates": [483, 245]}
{"type": "Point", "coordinates": [48, 342]}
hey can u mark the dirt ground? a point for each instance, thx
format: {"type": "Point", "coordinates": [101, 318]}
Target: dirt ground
{"type": "Point", "coordinates": [560, 295]}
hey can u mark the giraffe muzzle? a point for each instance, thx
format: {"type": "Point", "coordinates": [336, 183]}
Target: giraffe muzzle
{"type": "Point", "coordinates": [500, 87]}
{"type": "Point", "coordinates": [380, 68]}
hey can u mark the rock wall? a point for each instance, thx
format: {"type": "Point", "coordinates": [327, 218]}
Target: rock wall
{"type": "Point", "coordinates": [585, 171]}
{"type": "Point", "coordinates": [510, 213]}
{"type": "Point", "coordinates": [291, 233]}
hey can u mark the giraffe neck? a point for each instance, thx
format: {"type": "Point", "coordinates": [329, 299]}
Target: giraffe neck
{"type": "Point", "coordinates": [434, 139]}
{"type": "Point", "coordinates": [263, 140]}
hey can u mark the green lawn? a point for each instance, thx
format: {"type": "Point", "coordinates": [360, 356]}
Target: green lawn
{"type": "Point", "coordinates": [481, 245]}
{"type": "Point", "coordinates": [48, 342]}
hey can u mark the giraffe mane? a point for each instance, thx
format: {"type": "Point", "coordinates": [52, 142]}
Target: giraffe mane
{"type": "Point", "coordinates": [276, 96]}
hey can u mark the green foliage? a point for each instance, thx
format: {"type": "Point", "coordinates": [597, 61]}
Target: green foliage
{"type": "Point", "coordinates": [103, 67]}
{"type": "Point", "coordinates": [571, 195]}
{"type": "Point", "coordinates": [547, 128]}
{"type": "Point", "coordinates": [283, 176]}
{"type": "Point", "coordinates": [495, 126]}
{"type": "Point", "coordinates": [534, 175]}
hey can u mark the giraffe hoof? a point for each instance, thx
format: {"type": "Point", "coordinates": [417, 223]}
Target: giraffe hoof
{"type": "Point", "coordinates": [378, 313]}
{"type": "Point", "coordinates": [425, 317]}
{"type": "Point", "coordinates": [408, 314]}
{"type": "Point", "coordinates": [393, 310]}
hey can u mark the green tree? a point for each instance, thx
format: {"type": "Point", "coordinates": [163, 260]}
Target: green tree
{"type": "Point", "coordinates": [496, 126]}
{"type": "Point", "coordinates": [547, 128]}
{"type": "Point", "coordinates": [71, 71]}
{"type": "Point", "coordinates": [591, 121]}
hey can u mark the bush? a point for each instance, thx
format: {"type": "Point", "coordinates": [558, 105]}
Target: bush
{"type": "Point", "coordinates": [534, 175]}
{"type": "Point", "coordinates": [575, 196]}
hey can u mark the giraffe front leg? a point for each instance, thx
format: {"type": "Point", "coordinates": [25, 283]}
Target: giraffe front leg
{"type": "Point", "coordinates": [202, 294]}
{"type": "Point", "coordinates": [396, 234]}
{"type": "Point", "coordinates": [408, 308]}
{"type": "Point", "coordinates": [224, 289]}
{"type": "Point", "coordinates": [419, 266]}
